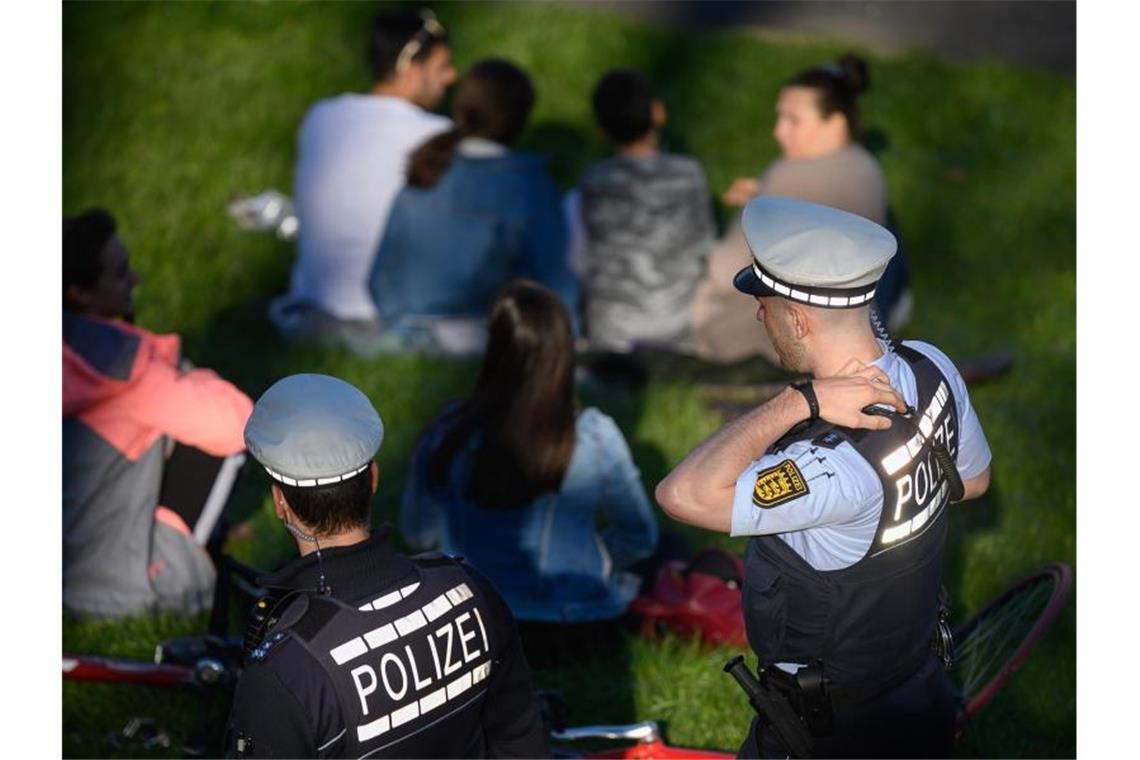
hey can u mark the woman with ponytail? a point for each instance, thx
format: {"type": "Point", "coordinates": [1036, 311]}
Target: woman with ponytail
{"type": "Point", "coordinates": [818, 125]}
{"type": "Point", "coordinates": [542, 498]}
{"type": "Point", "coordinates": [475, 214]}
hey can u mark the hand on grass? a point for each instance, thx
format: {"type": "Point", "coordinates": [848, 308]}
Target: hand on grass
{"type": "Point", "coordinates": [742, 190]}
{"type": "Point", "coordinates": [843, 396]}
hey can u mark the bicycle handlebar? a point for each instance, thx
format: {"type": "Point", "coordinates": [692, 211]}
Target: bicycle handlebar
{"type": "Point", "coordinates": [646, 731]}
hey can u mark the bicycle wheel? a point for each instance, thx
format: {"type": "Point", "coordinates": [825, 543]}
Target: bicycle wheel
{"type": "Point", "coordinates": [991, 646]}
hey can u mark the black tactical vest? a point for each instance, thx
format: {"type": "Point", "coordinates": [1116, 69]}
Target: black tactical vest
{"type": "Point", "coordinates": [871, 623]}
{"type": "Point", "coordinates": [411, 667]}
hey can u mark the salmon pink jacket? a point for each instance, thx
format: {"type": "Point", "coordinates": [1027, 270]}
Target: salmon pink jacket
{"type": "Point", "coordinates": [125, 398]}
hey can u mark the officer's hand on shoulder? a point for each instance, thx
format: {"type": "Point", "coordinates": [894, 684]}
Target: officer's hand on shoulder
{"type": "Point", "coordinates": [843, 396]}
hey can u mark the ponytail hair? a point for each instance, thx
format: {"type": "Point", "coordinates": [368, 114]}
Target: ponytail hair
{"type": "Point", "coordinates": [523, 406]}
{"type": "Point", "coordinates": [430, 161]}
{"type": "Point", "coordinates": [493, 102]}
{"type": "Point", "coordinates": [837, 87]}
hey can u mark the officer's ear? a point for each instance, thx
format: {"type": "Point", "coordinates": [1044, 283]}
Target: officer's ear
{"type": "Point", "coordinates": [279, 503]}
{"type": "Point", "coordinates": [375, 476]}
{"type": "Point", "coordinates": [798, 319]}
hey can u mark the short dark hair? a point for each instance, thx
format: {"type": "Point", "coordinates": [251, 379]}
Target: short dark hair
{"type": "Point", "coordinates": [837, 87]}
{"type": "Point", "coordinates": [84, 238]}
{"type": "Point", "coordinates": [390, 32]}
{"type": "Point", "coordinates": [623, 105]}
{"type": "Point", "coordinates": [332, 508]}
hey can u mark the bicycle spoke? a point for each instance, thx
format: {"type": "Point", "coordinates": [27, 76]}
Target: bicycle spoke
{"type": "Point", "coordinates": [988, 646]}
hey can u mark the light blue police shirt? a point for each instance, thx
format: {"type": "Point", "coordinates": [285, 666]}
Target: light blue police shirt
{"type": "Point", "coordinates": [833, 524]}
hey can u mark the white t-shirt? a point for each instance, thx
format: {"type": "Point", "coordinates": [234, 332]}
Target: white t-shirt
{"type": "Point", "coordinates": [352, 154]}
{"type": "Point", "coordinates": [833, 524]}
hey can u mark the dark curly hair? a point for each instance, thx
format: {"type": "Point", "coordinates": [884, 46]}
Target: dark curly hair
{"type": "Point", "coordinates": [84, 238]}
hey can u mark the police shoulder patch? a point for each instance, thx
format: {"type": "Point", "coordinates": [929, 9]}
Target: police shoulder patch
{"type": "Point", "coordinates": [778, 484]}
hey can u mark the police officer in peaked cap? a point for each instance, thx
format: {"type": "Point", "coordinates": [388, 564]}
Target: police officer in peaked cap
{"type": "Point", "coordinates": [842, 482]}
{"type": "Point", "coordinates": [365, 652]}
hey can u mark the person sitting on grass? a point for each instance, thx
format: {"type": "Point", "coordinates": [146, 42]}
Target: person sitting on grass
{"type": "Point", "coordinates": [352, 151]}
{"type": "Point", "coordinates": [818, 125]}
{"type": "Point", "coordinates": [647, 224]}
{"type": "Point", "coordinates": [151, 447]}
{"type": "Point", "coordinates": [514, 478]}
{"type": "Point", "coordinates": [474, 215]}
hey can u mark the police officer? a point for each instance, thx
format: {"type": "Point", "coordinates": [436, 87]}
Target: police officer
{"type": "Point", "coordinates": [367, 652]}
{"type": "Point", "coordinates": [843, 493]}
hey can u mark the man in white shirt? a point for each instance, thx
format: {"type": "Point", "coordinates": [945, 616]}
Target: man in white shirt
{"type": "Point", "coordinates": [846, 501]}
{"type": "Point", "coordinates": [352, 158]}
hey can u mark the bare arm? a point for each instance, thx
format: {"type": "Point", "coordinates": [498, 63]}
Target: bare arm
{"type": "Point", "coordinates": [700, 489]}
{"type": "Point", "coordinates": [976, 486]}
{"type": "Point", "coordinates": [742, 190]}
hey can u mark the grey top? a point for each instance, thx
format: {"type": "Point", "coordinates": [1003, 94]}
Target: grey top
{"type": "Point", "coordinates": [310, 430]}
{"type": "Point", "coordinates": [649, 227]}
{"type": "Point", "coordinates": [849, 179]}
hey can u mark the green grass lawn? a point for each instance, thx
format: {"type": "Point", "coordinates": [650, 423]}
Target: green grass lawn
{"type": "Point", "coordinates": [170, 109]}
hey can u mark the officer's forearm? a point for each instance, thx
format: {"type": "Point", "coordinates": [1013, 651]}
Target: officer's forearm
{"type": "Point", "coordinates": [976, 486]}
{"type": "Point", "coordinates": [700, 489]}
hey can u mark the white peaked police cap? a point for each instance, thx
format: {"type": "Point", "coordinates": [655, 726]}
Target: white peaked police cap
{"type": "Point", "coordinates": [313, 430]}
{"type": "Point", "coordinates": [812, 254]}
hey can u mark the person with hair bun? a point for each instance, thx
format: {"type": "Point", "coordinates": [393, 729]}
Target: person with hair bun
{"type": "Point", "coordinates": [475, 214]}
{"type": "Point", "coordinates": [818, 125]}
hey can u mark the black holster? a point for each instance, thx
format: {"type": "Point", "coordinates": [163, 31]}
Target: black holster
{"type": "Point", "coordinates": [773, 708]}
{"type": "Point", "coordinates": [807, 691]}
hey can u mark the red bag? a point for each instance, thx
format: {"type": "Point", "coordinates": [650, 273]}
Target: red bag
{"type": "Point", "coordinates": [700, 597]}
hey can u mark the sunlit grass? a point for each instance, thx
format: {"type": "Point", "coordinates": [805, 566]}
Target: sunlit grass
{"type": "Point", "coordinates": [169, 109]}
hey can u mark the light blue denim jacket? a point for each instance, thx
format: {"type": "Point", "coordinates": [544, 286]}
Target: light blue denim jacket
{"type": "Point", "coordinates": [549, 559]}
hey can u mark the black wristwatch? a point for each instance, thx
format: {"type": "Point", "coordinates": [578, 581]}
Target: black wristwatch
{"type": "Point", "coordinates": [805, 387]}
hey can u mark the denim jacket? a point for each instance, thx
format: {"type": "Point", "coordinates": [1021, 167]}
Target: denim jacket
{"type": "Point", "coordinates": [548, 558]}
{"type": "Point", "coordinates": [447, 249]}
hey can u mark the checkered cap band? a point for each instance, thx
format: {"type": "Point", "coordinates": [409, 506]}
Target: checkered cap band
{"type": "Point", "coordinates": [828, 298]}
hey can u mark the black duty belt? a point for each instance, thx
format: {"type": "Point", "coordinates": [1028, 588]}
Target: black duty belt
{"type": "Point", "coordinates": [849, 694]}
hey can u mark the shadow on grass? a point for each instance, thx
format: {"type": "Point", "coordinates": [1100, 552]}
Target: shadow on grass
{"type": "Point", "coordinates": [598, 690]}
{"type": "Point", "coordinates": [968, 520]}
{"type": "Point", "coordinates": [1042, 695]}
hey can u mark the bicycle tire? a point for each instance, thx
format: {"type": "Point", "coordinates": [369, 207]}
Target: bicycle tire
{"type": "Point", "coordinates": [992, 645]}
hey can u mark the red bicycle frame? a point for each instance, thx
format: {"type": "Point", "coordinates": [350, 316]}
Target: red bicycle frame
{"type": "Point", "coordinates": [83, 667]}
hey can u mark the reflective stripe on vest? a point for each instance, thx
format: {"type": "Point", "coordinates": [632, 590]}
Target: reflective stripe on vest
{"type": "Point", "coordinates": [416, 657]}
{"type": "Point", "coordinates": [870, 623]}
